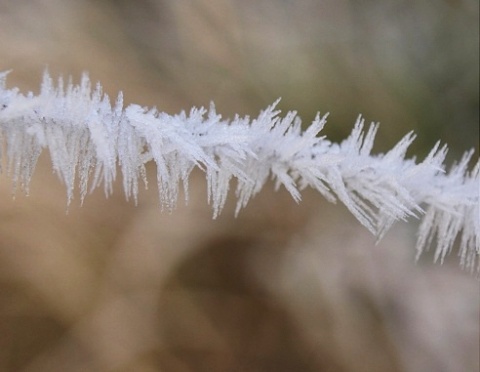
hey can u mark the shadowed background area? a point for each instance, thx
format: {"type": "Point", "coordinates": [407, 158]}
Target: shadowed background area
{"type": "Point", "coordinates": [110, 286]}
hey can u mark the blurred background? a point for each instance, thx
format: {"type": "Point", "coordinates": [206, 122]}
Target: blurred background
{"type": "Point", "coordinates": [110, 286]}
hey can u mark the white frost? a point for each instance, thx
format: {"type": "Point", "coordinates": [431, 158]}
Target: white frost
{"type": "Point", "coordinates": [87, 138]}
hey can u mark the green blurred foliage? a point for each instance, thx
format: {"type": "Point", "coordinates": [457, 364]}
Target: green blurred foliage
{"type": "Point", "coordinates": [407, 64]}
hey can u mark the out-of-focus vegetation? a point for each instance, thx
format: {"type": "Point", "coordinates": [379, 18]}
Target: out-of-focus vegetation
{"type": "Point", "coordinates": [409, 65]}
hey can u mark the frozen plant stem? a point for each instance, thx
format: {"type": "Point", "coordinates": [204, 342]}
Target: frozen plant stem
{"type": "Point", "coordinates": [87, 138]}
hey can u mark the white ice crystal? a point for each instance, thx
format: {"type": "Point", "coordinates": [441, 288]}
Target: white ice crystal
{"type": "Point", "coordinates": [87, 139]}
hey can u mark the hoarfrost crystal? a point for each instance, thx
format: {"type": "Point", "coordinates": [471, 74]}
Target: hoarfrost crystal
{"type": "Point", "coordinates": [87, 138]}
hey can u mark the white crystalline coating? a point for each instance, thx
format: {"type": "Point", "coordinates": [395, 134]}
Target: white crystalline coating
{"type": "Point", "coordinates": [87, 139]}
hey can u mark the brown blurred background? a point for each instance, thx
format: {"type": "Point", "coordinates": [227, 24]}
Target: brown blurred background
{"type": "Point", "coordinates": [110, 286]}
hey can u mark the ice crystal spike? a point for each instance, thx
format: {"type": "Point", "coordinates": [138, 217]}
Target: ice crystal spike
{"type": "Point", "coordinates": [87, 138]}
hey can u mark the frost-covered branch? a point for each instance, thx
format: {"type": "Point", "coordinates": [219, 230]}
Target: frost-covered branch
{"type": "Point", "coordinates": [87, 139]}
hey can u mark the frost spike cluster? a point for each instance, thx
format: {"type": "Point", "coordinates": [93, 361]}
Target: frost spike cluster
{"type": "Point", "coordinates": [87, 139]}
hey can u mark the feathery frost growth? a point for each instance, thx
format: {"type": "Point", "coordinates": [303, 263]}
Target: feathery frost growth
{"type": "Point", "coordinates": [87, 139]}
